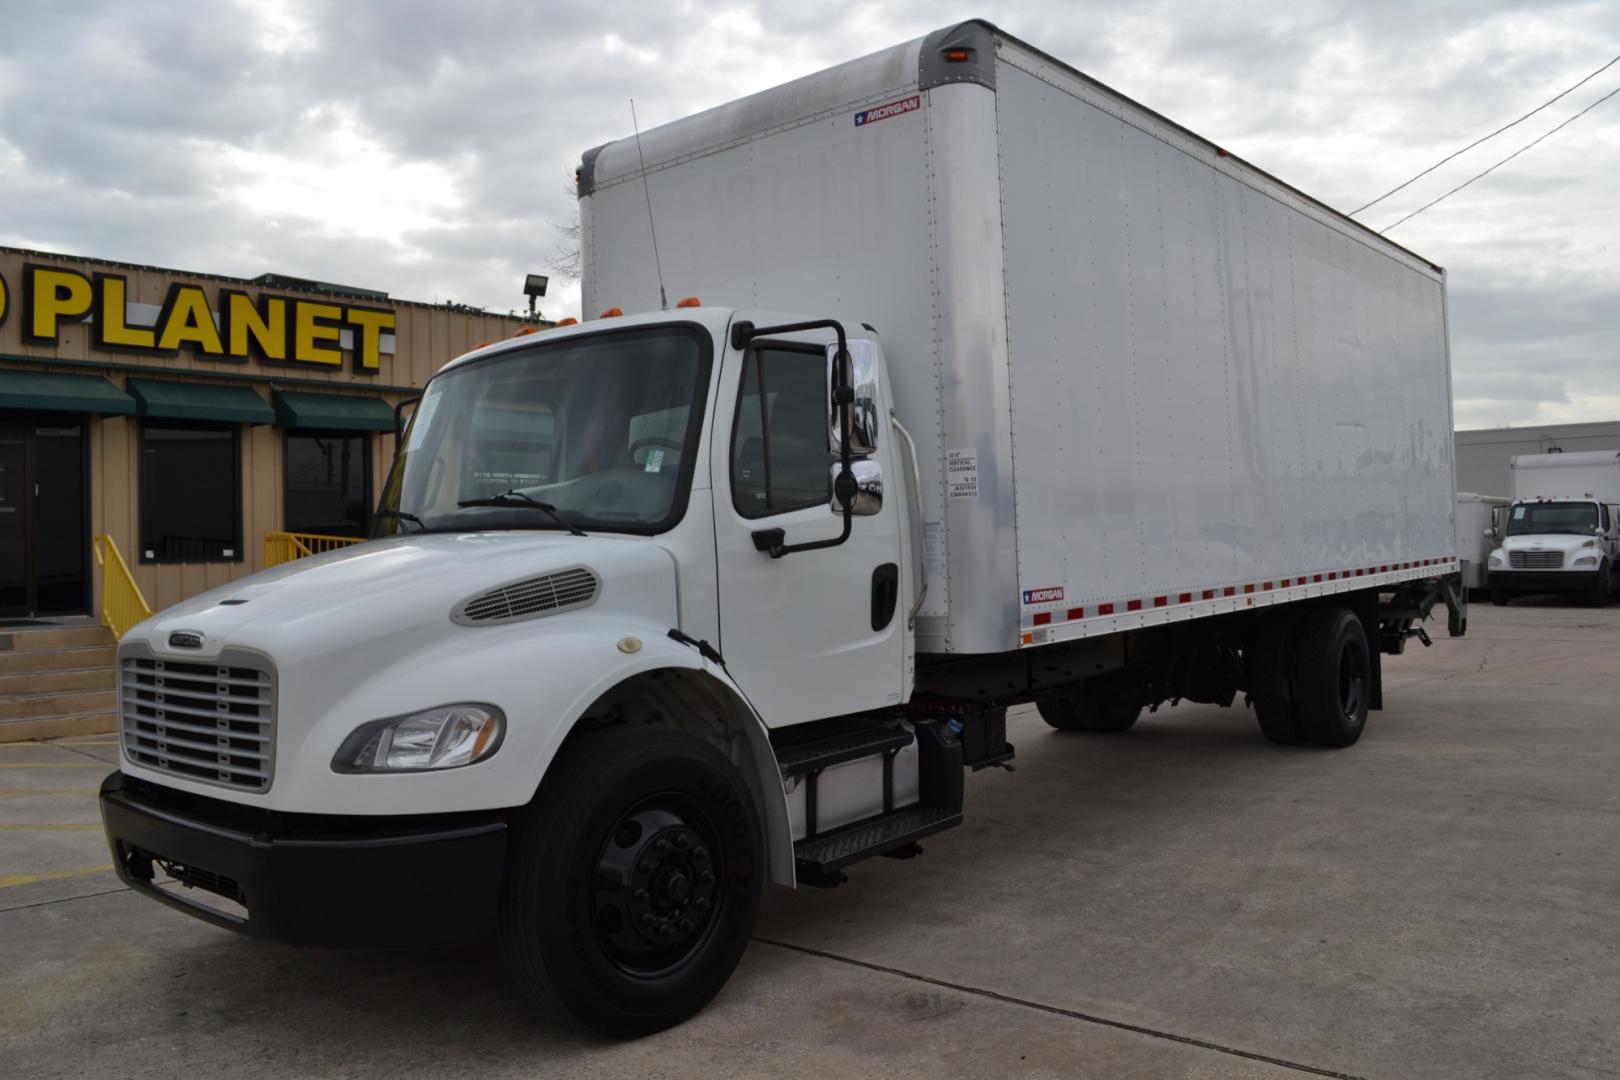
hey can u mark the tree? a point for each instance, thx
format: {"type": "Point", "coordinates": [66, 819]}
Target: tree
{"type": "Point", "coordinates": [563, 258]}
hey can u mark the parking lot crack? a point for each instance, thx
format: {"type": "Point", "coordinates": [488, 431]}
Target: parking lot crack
{"type": "Point", "coordinates": [1072, 1014]}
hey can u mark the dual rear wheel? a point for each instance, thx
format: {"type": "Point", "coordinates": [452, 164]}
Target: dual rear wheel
{"type": "Point", "coordinates": [1311, 677]}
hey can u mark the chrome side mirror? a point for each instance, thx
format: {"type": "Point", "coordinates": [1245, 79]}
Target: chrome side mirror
{"type": "Point", "coordinates": [863, 410]}
{"type": "Point", "coordinates": [868, 494]}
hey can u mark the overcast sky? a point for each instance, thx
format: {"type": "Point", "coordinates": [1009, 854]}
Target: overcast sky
{"type": "Point", "coordinates": [426, 148]}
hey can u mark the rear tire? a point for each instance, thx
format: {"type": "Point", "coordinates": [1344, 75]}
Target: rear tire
{"type": "Point", "coordinates": [1098, 708]}
{"type": "Point", "coordinates": [1271, 664]}
{"type": "Point", "coordinates": [1333, 677]}
{"type": "Point", "coordinates": [633, 881]}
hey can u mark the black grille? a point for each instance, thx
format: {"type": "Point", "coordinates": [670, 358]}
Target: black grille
{"type": "Point", "coordinates": [213, 722]}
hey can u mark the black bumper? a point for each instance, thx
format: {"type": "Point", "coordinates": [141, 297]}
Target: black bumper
{"type": "Point", "coordinates": [1543, 581]}
{"type": "Point", "coordinates": [309, 879]}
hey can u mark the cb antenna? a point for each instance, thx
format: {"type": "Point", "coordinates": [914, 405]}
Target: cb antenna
{"type": "Point", "coordinates": [663, 301]}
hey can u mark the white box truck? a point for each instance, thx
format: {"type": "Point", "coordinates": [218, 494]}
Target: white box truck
{"type": "Point", "coordinates": [989, 386]}
{"type": "Point", "coordinates": [1562, 531]}
{"type": "Point", "coordinates": [1480, 522]}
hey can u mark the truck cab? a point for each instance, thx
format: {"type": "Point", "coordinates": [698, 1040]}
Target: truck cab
{"type": "Point", "coordinates": [1556, 545]}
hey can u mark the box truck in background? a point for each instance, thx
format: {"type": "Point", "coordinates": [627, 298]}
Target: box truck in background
{"type": "Point", "coordinates": [986, 386]}
{"type": "Point", "coordinates": [1562, 532]}
{"type": "Point", "coordinates": [1480, 521]}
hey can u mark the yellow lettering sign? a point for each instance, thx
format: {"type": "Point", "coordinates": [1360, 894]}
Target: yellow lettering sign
{"type": "Point", "coordinates": [187, 320]}
{"type": "Point", "coordinates": [52, 296]}
{"type": "Point", "coordinates": [112, 311]}
{"type": "Point", "coordinates": [313, 326]}
{"type": "Point", "coordinates": [256, 330]}
{"type": "Point", "coordinates": [369, 326]}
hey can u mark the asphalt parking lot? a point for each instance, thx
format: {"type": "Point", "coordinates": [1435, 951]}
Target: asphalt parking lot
{"type": "Point", "coordinates": [1187, 900]}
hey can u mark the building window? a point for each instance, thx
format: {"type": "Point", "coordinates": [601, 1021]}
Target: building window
{"type": "Point", "coordinates": [328, 483]}
{"type": "Point", "coordinates": [191, 493]}
{"type": "Point", "coordinates": [780, 459]}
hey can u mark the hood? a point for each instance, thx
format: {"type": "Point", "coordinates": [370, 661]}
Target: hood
{"type": "Point", "coordinates": [400, 587]}
{"type": "Point", "coordinates": [1565, 542]}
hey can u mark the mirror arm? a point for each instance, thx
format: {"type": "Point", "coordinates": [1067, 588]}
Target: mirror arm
{"type": "Point", "coordinates": [742, 333]}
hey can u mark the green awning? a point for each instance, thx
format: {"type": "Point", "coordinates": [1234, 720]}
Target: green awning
{"type": "Point", "coordinates": [332, 412]}
{"type": "Point", "coordinates": [200, 401]}
{"type": "Point", "coordinates": [62, 393]}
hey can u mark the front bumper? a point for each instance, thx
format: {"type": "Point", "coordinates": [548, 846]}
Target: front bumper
{"type": "Point", "coordinates": [309, 879]}
{"type": "Point", "coordinates": [1543, 581]}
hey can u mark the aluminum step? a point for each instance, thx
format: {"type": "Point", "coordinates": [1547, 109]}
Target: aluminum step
{"type": "Point", "coordinates": [830, 851]}
{"type": "Point", "coordinates": [846, 744]}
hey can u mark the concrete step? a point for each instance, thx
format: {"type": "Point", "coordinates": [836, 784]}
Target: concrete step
{"type": "Point", "coordinates": [40, 638]}
{"type": "Point", "coordinates": [58, 727]}
{"type": "Point", "coordinates": [56, 682]}
{"type": "Point", "coordinates": [21, 663]}
{"type": "Point", "coordinates": [32, 706]}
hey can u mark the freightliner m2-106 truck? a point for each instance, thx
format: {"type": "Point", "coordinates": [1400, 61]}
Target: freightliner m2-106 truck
{"type": "Point", "coordinates": [1001, 389]}
{"type": "Point", "coordinates": [1562, 532]}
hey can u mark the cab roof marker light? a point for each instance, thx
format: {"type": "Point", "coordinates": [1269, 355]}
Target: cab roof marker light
{"type": "Point", "coordinates": [570, 321]}
{"type": "Point", "coordinates": [958, 56]}
{"type": "Point", "coordinates": [526, 331]}
{"type": "Point", "coordinates": [690, 301]}
{"type": "Point", "coordinates": [611, 313]}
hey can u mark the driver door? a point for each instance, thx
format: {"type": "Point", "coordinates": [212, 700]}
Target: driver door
{"type": "Point", "coordinates": [815, 633]}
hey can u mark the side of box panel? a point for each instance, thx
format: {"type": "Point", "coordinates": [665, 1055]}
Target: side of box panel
{"type": "Point", "coordinates": [1220, 398]}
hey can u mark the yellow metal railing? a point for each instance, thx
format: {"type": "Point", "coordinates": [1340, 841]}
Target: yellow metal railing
{"type": "Point", "coordinates": [122, 605]}
{"type": "Point", "coordinates": [283, 547]}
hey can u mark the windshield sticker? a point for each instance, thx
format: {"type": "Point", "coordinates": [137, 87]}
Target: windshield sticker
{"type": "Point", "coordinates": [655, 459]}
{"type": "Point", "coordinates": [1518, 513]}
{"type": "Point", "coordinates": [893, 108]}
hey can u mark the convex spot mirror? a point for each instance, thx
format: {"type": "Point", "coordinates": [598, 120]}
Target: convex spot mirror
{"type": "Point", "coordinates": [866, 493]}
{"type": "Point", "coordinates": [862, 375]}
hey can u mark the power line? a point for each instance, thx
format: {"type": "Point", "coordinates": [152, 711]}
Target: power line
{"type": "Point", "coordinates": [1505, 160]}
{"type": "Point", "coordinates": [1492, 135]}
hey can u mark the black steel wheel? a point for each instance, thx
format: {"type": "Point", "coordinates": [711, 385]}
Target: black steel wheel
{"type": "Point", "coordinates": [1270, 664]}
{"type": "Point", "coordinates": [1333, 677]}
{"type": "Point", "coordinates": [633, 880]}
{"type": "Point", "coordinates": [1100, 707]}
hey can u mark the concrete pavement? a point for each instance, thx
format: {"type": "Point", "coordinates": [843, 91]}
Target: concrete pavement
{"type": "Point", "coordinates": [1185, 900]}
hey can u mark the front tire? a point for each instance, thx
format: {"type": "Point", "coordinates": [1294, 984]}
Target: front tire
{"type": "Point", "coordinates": [1333, 677]}
{"type": "Point", "coordinates": [633, 881]}
{"type": "Point", "coordinates": [1499, 596]}
{"type": "Point", "coordinates": [1598, 596]}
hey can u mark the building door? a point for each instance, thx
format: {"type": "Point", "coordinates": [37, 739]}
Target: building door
{"type": "Point", "coordinates": [328, 483]}
{"type": "Point", "coordinates": [44, 527]}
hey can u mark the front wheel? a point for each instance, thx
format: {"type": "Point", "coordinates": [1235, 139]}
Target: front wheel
{"type": "Point", "coordinates": [1499, 596]}
{"type": "Point", "coordinates": [633, 881]}
{"type": "Point", "coordinates": [1598, 596]}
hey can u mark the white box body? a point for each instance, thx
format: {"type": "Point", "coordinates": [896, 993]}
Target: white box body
{"type": "Point", "coordinates": [1148, 382]}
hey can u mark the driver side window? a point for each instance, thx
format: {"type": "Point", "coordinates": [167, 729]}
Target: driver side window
{"type": "Point", "coordinates": [779, 454]}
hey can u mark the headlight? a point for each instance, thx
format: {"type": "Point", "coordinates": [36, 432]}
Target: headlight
{"type": "Point", "coordinates": [1496, 558]}
{"type": "Point", "coordinates": [446, 737]}
{"type": "Point", "coordinates": [1586, 560]}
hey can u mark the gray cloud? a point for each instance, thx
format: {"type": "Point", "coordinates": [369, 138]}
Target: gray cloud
{"type": "Point", "coordinates": [424, 148]}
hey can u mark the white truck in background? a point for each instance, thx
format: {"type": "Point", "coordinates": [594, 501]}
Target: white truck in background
{"type": "Point", "coordinates": [1001, 389]}
{"type": "Point", "coordinates": [1479, 525]}
{"type": "Point", "coordinates": [1562, 531]}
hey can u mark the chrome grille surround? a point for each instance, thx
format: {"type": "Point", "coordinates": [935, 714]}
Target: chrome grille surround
{"type": "Point", "coordinates": [1536, 560]}
{"type": "Point", "coordinates": [212, 720]}
{"type": "Point", "coordinates": [530, 598]}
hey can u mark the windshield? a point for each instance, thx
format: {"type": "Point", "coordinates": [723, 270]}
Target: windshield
{"type": "Point", "coordinates": [1578, 518]}
{"type": "Point", "coordinates": [603, 428]}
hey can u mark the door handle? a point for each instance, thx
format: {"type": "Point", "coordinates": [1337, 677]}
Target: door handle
{"type": "Point", "coordinates": [885, 594]}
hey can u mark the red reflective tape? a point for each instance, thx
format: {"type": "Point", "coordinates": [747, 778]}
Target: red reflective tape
{"type": "Point", "coordinates": [1160, 601]}
{"type": "Point", "coordinates": [1285, 582]}
{"type": "Point", "coordinates": [1228, 591]}
{"type": "Point", "coordinates": [1105, 609]}
{"type": "Point", "coordinates": [1318, 577]}
{"type": "Point", "coordinates": [1186, 598]}
{"type": "Point", "coordinates": [1248, 588]}
{"type": "Point", "coordinates": [1133, 605]}
{"type": "Point", "coordinates": [1332, 575]}
{"type": "Point", "coordinates": [1043, 618]}
{"type": "Point", "coordinates": [1077, 613]}
{"type": "Point", "coordinates": [1266, 587]}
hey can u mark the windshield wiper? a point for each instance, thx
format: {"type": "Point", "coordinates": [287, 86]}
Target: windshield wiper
{"type": "Point", "coordinates": [390, 512]}
{"type": "Point", "coordinates": [515, 497]}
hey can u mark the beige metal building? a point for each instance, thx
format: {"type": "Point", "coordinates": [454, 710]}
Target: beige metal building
{"type": "Point", "coordinates": [1483, 454]}
{"type": "Point", "coordinates": [186, 416]}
